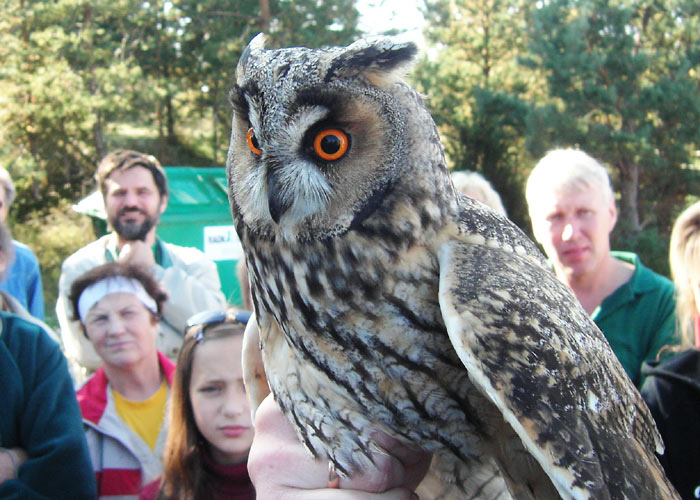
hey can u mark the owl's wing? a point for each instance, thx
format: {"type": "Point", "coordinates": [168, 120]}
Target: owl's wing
{"type": "Point", "coordinates": [535, 353]}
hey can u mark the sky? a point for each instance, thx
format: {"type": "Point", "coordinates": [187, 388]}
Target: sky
{"type": "Point", "coordinates": [381, 15]}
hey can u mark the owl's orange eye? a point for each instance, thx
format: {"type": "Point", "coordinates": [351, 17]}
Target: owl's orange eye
{"type": "Point", "coordinates": [253, 142]}
{"type": "Point", "coordinates": [331, 144]}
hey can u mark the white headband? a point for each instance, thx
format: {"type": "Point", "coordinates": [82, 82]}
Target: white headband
{"type": "Point", "coordinates": [114, 284]}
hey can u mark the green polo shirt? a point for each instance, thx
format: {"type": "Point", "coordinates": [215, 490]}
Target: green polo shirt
{"type": "Point", "coordinates": [638, 318]}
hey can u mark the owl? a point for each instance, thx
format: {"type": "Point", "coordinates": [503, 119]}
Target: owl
{"type": "Point", "coordinates": [387, 302]}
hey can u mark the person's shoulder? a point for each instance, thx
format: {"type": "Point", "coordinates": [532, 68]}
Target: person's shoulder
{"type": "Point", "coordinates": [92, 396]}
{"type": "Point", "coordinates": [658, 281]}
{"type": "Point", "coordinates": [16, 308]}
{"type": "Point", "coordinates": [644, 278]}
{"type": "Point", "coordinates": [666, 380]}
{"type": "Point", "coordinates": [25, 258]}
{"type": "Point", "coordinates": [88, 256]}
{"type": "Point", "coordinates": [685, 363]}
{"type": "Point", "coordinates": [150, 491]}
{"type": "Point", "coordinates": [12, 322]}
{"type": "Point", "coordinates": [168, 367]}
{"type": "Point", "coordinates": [185, 254]}
{"type": "Point", "coordinates": [30, 335]}
{"type": "Point", "coordinates": [23, 249]}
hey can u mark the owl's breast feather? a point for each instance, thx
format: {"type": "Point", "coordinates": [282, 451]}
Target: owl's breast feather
{"type": "Point", "coordinates": [361, 328]}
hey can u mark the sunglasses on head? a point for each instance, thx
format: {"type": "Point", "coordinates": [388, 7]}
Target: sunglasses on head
{"type": "Point", "coordinates": [206, 319]}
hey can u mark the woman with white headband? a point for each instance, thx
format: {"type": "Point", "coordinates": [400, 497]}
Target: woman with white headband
{"type": "Point", "coordinates": [124, 403]}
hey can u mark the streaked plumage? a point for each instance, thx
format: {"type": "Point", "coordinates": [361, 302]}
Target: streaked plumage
{"type": "Point", "coordinates": [385, 301]}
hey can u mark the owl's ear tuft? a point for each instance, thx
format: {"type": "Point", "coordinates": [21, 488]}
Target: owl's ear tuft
{"type": "Point", "coordinates": [255, 45]}
{"type": "Point", "coordinates": [379, 59]}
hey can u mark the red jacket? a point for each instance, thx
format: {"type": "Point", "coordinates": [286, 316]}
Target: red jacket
{"type": "Point", "coordinates": [123, 463]}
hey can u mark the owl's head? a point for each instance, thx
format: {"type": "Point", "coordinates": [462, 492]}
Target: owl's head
{"type": "Point", "coordinates": [321, 135]}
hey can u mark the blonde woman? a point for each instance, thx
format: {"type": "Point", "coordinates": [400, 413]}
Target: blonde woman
{"type": "Point", "coordinates": [475, 185]}
{"type": "Point", "coordinates": [672, 388]}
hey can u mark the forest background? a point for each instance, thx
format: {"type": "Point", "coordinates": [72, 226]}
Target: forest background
{"type": "Point", "coordinates": [505, 81]}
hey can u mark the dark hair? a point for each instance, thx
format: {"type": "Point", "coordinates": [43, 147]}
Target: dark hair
{"type": "Point", "coordinates": [183, 476]}
{"type": "Point", "coordinates": [111, 270]}
{"type": "Point", "coordinates": [124, 159]}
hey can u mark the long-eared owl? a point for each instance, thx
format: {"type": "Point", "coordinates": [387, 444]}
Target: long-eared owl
{"type": "Point", "coordinates": [385, 301]}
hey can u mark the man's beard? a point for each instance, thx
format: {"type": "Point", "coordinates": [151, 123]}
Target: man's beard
{"type": "Point", "coordinates": [132, 231]}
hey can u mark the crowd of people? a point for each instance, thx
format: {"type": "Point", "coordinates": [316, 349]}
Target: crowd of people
{"type": "Point", "coordinates": [140, 393]}
{"type": "Point", "coordinates": [135, 192]}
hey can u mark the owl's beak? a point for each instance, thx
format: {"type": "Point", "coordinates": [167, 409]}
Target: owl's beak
{"type": "Point", "coordinates": [278, 204]}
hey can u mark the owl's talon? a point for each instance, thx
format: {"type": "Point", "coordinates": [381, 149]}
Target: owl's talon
{"type": "Point", "coordinates": [333, 477]}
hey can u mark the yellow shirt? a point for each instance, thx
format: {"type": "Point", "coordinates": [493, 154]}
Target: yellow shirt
{"type": "Point", "coordinates": [145, 418]}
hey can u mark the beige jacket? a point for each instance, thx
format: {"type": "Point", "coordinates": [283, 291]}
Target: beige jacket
{"type": "Point", "coordinates": [190, 279]}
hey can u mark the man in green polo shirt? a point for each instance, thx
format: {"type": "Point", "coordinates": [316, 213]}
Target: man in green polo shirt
{"type": "Point", "coordinates": [572, 208]}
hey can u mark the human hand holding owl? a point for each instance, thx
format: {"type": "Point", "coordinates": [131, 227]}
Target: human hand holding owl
{"type": "Point", "coordinates": [280, 466]}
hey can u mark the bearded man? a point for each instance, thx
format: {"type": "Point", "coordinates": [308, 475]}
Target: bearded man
{"type": "Point", "coordinates": [135, 192]}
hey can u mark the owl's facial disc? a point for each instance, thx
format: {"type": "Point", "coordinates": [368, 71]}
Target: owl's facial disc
{"type": "Point", "coordinates": [296, 160]}
{"type": "Point", "coordinates": [301, 188]}
{"type": "Point", "coordinates": [278, 203]}
{"type": "Point", "coordinates": [312, 161]}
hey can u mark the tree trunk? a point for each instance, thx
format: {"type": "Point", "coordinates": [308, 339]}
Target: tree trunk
{"type": "Point", "coordinates": [98, 134]}
{"type": "Point", "coordinates": [264, 15]}
{"type": "Point", "coordinates": [170, 119]}
{"type": "Point", "coordinates": [629, 189]}
{"type": "Point", "coordinates": [161, 138]}
{"type": "Point", "coordinates": [214, 124]}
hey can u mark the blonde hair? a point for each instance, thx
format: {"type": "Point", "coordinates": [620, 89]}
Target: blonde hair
{"type": "Point", "coordinates": [475, 185]}
{"type": "Point", "coordinates": [6, 248]}
{"type": "Point", "coordinates": [565, 169]}
{"type": "Point", "coordinates": [7, 185]}
{"type": "Point", "coordinates": [684, 257]}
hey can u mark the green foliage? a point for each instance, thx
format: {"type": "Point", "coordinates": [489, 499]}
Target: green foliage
{"type": "Point", "coordinates": [477, 95]}
{"type": "Point", "coordinates": [63, 74]}
{"type": "Point", "coordinates": [647, 243]}
{"type": "Point", "coordinates": [213, 35]}
{"type": "Point", "coordinates": [73, 72]}
{"type": "Point", "coordinates": [53, 237]}
{"type": "Point", "coordinates": [622, 84]}
{"type": "Point", "coordinates": [508, 81]}
{"type": "Point", "coordinates": [313, 23]}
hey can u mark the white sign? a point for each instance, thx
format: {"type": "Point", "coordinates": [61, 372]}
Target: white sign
{"type": "Point", "coordinates": [222, 243]}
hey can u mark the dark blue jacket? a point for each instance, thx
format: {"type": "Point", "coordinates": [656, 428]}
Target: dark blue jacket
{"type": "Point", "coordinates": [40, 414]}
{"type": "Point", "coordinates": [672, 392]}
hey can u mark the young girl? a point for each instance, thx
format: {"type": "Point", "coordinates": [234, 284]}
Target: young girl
{"type": "Point", "coordinates": [210, 428]}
